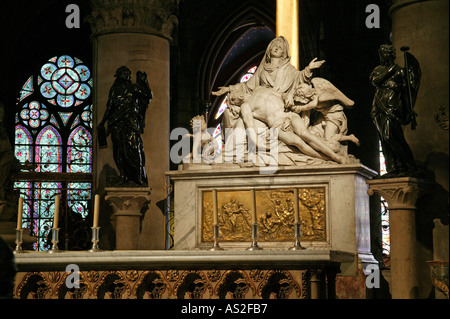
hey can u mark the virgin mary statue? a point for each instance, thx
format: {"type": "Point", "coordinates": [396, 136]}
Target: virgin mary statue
{"type": "Point", "coordinates": [275, 71]}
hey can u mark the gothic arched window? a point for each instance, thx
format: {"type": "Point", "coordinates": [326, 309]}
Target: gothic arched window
{"type": "Point", "coordinates": [244, 78]}
{"type": "Point", "coordinates": [53, 139]}
{"type": "Point", "coordinates": [385, 229]}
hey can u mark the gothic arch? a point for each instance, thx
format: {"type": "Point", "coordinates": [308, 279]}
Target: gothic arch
{"type": "Point", "coordinates": [239, 21]}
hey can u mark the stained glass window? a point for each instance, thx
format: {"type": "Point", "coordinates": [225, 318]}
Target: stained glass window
{"type": "Point", "coordinates": [223, 106]}
{"type": "Point", "coordinates": [48, 150]}
{"type": "Point", "coordinates": [250, 72]}
{"type": "Point", "coordinates": [385, 231]}
{"type": "Point", "coordinates": [53, 137]}
{"type": "Point", "coordinates": [217, 135]}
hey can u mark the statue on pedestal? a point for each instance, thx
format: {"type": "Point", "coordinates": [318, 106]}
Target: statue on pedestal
{"type": "Point", "coordinates": [395, 96]}
{"type": "Point", "coordinates": [274, 98]}
{"type": "Point", "coordinates": [125, 114]}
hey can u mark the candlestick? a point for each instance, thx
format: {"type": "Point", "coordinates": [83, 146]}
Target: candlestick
{"type": "Point", "coordinates": [55, 240]}
{"type": "Point", "coordinates": [19, 241]}
{"type": "Point", "coordinates": [296, 208]}
{"type": "Point", "coordinates": [297, 234]}
{"type": "Point", "coordinates": [254, 221]}
{"type": "Point", "coordinates": [216, 239]}
{"type": "Point", "coordinates": [20, 213]}
{"type": "Point", "coordinates": [95, 240]}
{"type": "Point", "coordinates": [215, 210]}
{"type": "Point", "coordinates": [96, 210]}
{"type": "Point", "coordinates": [254, 245]}
{"type": "Point", "coordinates": [56, 213]}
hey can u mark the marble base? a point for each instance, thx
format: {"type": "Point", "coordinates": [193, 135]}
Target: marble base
{"type": "Point", "coordinates": [347, 220]}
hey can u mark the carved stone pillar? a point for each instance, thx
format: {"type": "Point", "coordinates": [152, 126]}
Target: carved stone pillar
{"type": "Point", "coordinates": [315, 283]}
{"type": "Point", "coordinates": [424, 27]}
{"type": "Point", "coordinates": [136, 33]}
{"type": "Point", "coordinates": [401, 195]}
{"type": "Point", "coordinates": [128, 204]}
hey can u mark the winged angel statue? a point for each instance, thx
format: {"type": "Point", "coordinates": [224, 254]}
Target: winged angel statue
{"type": "Point", "coordinates": [393, 103]}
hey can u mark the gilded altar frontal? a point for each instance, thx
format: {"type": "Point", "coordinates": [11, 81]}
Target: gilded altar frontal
{"type": "Point", "coordinates": [274, 214]}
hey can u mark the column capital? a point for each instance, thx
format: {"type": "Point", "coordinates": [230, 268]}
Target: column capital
{"type": "Point", "coordinates": [133, 16]}
{"type": "Point", "coordinates": [127, 200]}
{"type": "Point", "coordinates": [400, 192]}
{"type": "Point", "coordinates": [397, 4]}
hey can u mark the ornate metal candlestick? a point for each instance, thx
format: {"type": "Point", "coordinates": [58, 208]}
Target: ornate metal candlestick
{"type": "Point", "coordinates": [216, 238]}
{"type": "Point", "coordinates": [19, 241]}
{"type": "Point", "coordinates": [95, 240]}
{"type": "Point", "coordinates": [254, 245]}
{"type": "Point", "coordinates": [55, 240]}
{"type": "Point", "coordinates": [297, 234]}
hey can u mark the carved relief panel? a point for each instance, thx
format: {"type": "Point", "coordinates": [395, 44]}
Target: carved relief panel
{"type": "Point", "coordinates": [274, 214]}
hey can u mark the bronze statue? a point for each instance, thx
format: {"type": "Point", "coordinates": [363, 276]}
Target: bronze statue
{"type": "Point", "coordinates": [125, 114]}
{"type": "Point", "coordinates": [395, 96]}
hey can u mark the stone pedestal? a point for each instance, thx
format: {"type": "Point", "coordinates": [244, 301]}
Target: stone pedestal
{"type": "Point", "coordinates": [401, 195]}
{"type": "Point", "coordinates": [128, 204]}
{"type": "Point", "coordinates": [333, 207]}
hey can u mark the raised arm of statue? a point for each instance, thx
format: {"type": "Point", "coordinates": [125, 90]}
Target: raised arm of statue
{"type": "Point", "coordinates": [276, 72]}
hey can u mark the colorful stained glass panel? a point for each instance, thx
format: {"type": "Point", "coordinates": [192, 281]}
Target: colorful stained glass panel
{"type": "Point", "coordinates": [79, 152]}
{"type": "Point", "coordinates": [47, 70]}
{"type": "Point", "coordinates": [65, 61]}
{"type": "Point", "coordinates": [385, 230]}
{"type": "Point", "coordinates": [23, 148]}
{"type": "Point", "coordinates": [83, 92]}
{"type": "Point", "coordinates": [83, 71]}
{"type": "Point", "coordinates": [27, 89]}
{"type": "Point", "coordinates": [48, 150]}
{"type": "Point", "coordinates": [78, 196]}
{"type": "Point", "coordinates": [222, 108]}
{"type": "Point", "coordinates": [63, 86]}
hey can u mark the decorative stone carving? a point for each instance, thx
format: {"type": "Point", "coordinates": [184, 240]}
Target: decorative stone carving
{"type": "Point", "coordinates": [400, 193]}
{"type": "Point", "coordinates": [141, 16]}
{"type": "Point", "coordinates": [128, 205]}
{"type": "Point", "coordinates": [157, 284]}
{"type": "Point", "coordinates": [275, 214]}
{"type": "Point", "coordinates": [279, 101]}
{"type": "Point", "coordinates": [319, 188]}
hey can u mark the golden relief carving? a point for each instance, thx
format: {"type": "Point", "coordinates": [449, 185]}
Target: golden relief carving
{"type": "Point", "coordinates": [166, 284]}
{"type": "Point", "coordinates": [274, 214]}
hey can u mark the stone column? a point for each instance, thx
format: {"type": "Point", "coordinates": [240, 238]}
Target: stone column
{"type": "Point", "coordinates": [128, 204]}
{"type": "Point", "coordinates": [423, 26]}
{"type": "Point", "coordinates": [136, 33]}
{"type": "Point", "coordinates": [401, 195]}
{"type": "Point", "coordinates": [315, 283]}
